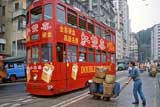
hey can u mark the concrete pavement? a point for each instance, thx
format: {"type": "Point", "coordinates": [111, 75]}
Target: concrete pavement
{"type": "Point", "coordinates": [149, 88]}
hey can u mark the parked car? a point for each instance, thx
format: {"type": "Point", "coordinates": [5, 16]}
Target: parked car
{"type": "Point", "coordinates": [15, 71]}
{"type": "Point", "coordinates": [121, 66]}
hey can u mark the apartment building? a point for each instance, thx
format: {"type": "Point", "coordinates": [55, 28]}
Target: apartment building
{"type": "Point", "coordinates": [12, 27]}
{"type": "Point", "coordinates": [155, 42]}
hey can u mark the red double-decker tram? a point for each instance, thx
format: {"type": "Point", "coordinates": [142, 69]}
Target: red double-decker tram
{"type": "Point", "coordinates": [64, 46]}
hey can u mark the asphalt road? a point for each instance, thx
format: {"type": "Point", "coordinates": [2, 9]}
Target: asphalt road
{"type": "Point", "coordinates": [14, 95]}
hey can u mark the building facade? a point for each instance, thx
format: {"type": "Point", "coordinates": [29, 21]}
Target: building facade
{"type": "Point", "coordinates": [18, 25]}
{"type": "Point", "coordinates": [5, 26]}
{"type": "Point", "coordinates": [102, 10]}
{"type": "Point", "coordinates": [155, 42]}
{"type": "Point", "coordinates": [123, 6]}
{"type": "Point", "coordinates": [133, 47]}
{"type": "Point", "coordinates": [12, 27]}
{"type": "Point", "coordinates": [122, 29]}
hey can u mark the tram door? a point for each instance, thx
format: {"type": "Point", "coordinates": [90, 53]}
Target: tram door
{"type": "Point", "coordinates": [61, 65]}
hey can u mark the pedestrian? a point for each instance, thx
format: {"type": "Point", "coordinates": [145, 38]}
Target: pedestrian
{"type": "Point", "coordinates": [129, 69]}
{"type": "Point", "coordinates": [134, 74]}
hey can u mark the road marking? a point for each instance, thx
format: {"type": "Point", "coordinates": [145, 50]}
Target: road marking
{"type": "Point", "coordinates": [77, 98]}
{"type": "Point", "coordinates": [74, 101]}
{"type": "Point", "coordinates": [69, 100]}
{"type": "Point", "coordinates": [5, 104]}
{"type": "Point", "coordinates": [15, 105]}
{"type": "Point", "coordinates": [20, 99]}
{"type": "Point", "coordinates": [28, 100]}
{"type": "Point", "coordinates": [6, 84]}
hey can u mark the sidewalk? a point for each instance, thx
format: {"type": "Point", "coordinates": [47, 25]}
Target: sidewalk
{"type": "Point", "coordinates": [149, 88]}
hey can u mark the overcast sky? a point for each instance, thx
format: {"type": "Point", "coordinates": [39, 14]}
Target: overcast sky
{"type": "Point", "coordinates": [143, 13]}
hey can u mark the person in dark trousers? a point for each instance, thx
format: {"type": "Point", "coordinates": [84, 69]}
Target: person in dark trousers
{"type": "Point", "coordinates": [134, 74]}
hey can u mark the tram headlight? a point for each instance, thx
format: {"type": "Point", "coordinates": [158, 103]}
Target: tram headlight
{"type": "Point", "coordinates": [35, 77]}
{"type": "Point", "coordinates": [50, 87]}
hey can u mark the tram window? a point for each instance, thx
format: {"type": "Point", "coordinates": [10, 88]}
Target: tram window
{"type": "Point", "coordinates": [47, 52]}
{"type": "Point", "coordinates": [35, 54]}
{"type": "Point", "coordinates": [48, 11]}
{"type": "Point", "coordinates": [82, 22]}
{"type": "Point", "coordinates": [103, 33]}
{"type": "Point", "coordinates": [91, 55]}
{"type": "Point", "coordinates": [28, 55]}
{"type": "Point", "coordinates": [36, 14]}
{"type": "Point", "coordinates": [108, 36]}
{"type": "Point", "coordinates": [72, 53]}
{"type": "Point", "coordinates": [109, 57]}
{"type": "Point", "coordinates": [72, 17]}
{"type": "Point", "coordinates": [82, 54]}
{"type": "Point", "coordinates": [98, 56]}
{"type": "Point", "coordinates": [27, 17]}
{"type": "Point", "coordinates": [97, 30]}
{"type": "Point", "coordinates": [61, 52]}
{"type": "Point", "coordinates": [113, 58]}
{"type": "Point", "coordinates": [103, 56]}
{"type": "Point", "coordinates": [90, 26]}
{"type": "Point", "coordinates": [61, 14]}
{"type": "Point", "coordinates": [114, 38]}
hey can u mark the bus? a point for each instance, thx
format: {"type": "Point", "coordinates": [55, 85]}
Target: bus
{"type": "Point", "coordinates": [64, 47]}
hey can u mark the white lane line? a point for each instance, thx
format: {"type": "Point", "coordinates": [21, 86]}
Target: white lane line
{"type": "Point", "coordinates": [5, 104]}
{"type": "Point", "coordinates": [20, 99]}
{"type": "Point", "coordinates": [69, 100]}
{"type": "Point", "coordinates": [28, 100]}
{"type": "Point", "coordinates": [15, 105]}
{"type": "Point", "coordinates": [6, 84]}
{"type": "Point", "coordinates": [77, 98]}
{"type": "Point", "coordinates": [74, 101]}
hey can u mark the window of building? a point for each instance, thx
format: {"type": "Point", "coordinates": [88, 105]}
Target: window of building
{"type": "Point", "coordinates": [61, 52]}
{"type": "Point", "coordinates": [47, 52]}
{"type": "Point", "coordinates": [61, 17]}
{"type": "Point", "coordinates": [36, 14]}
{"type": "Point", "coordinates": [35, 54]}
{"type": "Point", "coordinates": [82, 22]}
{"type": "Point", "coordinates": [103, 56]}
{"type": "Point", "coordinates": [72, 53]}
{"type": "Point", "coordinates": [97, 30]}
{"type": "Point", "coordinates": [2, 47]}
{"type": "Point", "coordinates": [82, 54]}
{"type": "Point", "coordinates": [21, 22]}
{"type": "Point", "coordinates": [2, 28]}
{"type": "Point", "coordinates": [72, 17]}
{"type": "Point", "coordinates": [48, 13]}
{"type": "Point", "coordinates": [2, 10]}
{"type": "Point", "coordinates": [90, 26]}
{"type": "Point", "coordinates": [16, 6]}
{"type": "Point", "coordinates": [98, 56]}
{"type": "Point", "coordinates": [28, 55]}
{"type": "Point", "coordinates": [90, 55]}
